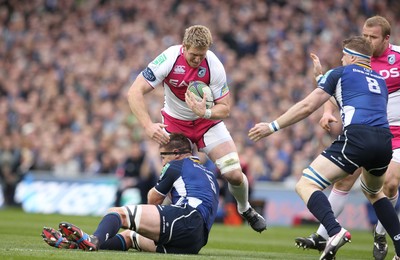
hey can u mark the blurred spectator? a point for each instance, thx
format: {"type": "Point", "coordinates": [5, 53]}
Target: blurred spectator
{"type": "Point", "coordinates": [135, 173]}
{"type": "Point", "coordinates": [10, 159]}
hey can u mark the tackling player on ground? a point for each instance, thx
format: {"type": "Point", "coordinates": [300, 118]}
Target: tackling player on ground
{"type": "Point", "coordinates": [180, 228]}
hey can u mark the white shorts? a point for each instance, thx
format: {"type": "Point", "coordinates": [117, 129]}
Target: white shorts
{"type": "Point", "coordinates": [396, 155]}
{"type": "Point", "coordinates": [205, 133]}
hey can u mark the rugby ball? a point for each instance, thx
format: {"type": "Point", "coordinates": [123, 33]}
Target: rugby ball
{"type": "Point", "coordinates": [198, 88]}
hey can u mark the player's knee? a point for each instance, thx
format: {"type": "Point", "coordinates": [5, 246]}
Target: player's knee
{"type": "Point", "coordinates": [390, 187]}
{"type": "Point", "coordinates": [301, 186]}
{"type": "Point", "coordinates": [234, 177]}
{"type": "Point", "coordinates": [126, 234]}
{"type": "Point", "coordinates": [229, 166]}
{"type": "Point", "coordinates": [115, 210]}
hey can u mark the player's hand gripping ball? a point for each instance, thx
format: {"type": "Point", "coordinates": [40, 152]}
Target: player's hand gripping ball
{"type": "Point", "coordinates": [198, 88]}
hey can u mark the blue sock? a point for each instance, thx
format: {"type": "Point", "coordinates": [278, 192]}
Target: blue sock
{"type": "Point", "coordinates": [115, 243]}
{"type": "Point", "coordinates": [108, 227]}
{"type": "Point", "coordinates": [320, 207]}
{"type": "Point", "coordinates": [387, 216]}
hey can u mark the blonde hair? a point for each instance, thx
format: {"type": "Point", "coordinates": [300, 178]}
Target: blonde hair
{"type": "Point", "coordinates": [379, 21]}
{"type": "Point", "coordinates": [197, 36]}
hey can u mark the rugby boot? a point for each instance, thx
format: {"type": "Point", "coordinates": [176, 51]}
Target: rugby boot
{"type": "Point", "coordinates": [256, 221]}
{"type": "Point", "coordinates": [54, 238]}
{"type": "Point", "coordinates": [75, 234]}
{"type": "Point", "coordinates": [314, 241]}
{"type": "Point", "coordinates": [334, 243]}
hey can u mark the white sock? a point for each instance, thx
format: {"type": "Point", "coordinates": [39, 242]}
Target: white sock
{"type": "Point", "coordinates": [338, 199]}
{"type": "Point", "coordinates": [241, 194]}
{"type": "Point", "coordinates": [379, 228]}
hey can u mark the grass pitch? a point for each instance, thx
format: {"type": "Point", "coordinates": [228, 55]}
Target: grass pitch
{"type": "Point", "coordinates": [20, 239]}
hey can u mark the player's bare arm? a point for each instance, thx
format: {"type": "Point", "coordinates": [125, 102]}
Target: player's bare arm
{"type": "Point", "coordinates": [136, 93]}
{"type": "Point", "coordinates": [154, 197]}
{"type": "Point", "coordinates": [328, 115]}
{"type": "Point", "coordinates": [220, 110]}
{"type": "Point", "coordinates": [296, 113]}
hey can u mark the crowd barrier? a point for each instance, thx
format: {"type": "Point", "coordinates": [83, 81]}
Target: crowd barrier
{"type": "Point", "coordinates": [278, 202]}
{"type": "Point", "coordinates": [44, 193]}
{"type": "Point", "coordinates": [283, 207]}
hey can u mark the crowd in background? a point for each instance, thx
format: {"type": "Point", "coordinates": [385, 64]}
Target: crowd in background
{"type": "Point", "coordinates": [66, 65]}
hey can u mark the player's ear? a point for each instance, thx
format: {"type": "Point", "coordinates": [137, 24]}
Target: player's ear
{"type": "Point", "coordinates": [387, 37]}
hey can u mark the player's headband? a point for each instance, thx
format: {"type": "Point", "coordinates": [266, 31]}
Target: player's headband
{"type": "Point", "coordinates": [355, 53]}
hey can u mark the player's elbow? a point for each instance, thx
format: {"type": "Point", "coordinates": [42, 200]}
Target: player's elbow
{"type": "Point", "coordinates": [227, 112]}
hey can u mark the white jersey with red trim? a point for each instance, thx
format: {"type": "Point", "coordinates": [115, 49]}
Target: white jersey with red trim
{"type": "Point", "coordinates": [388, 66]}
{"type": "Point", "coordinates": [171, 69]}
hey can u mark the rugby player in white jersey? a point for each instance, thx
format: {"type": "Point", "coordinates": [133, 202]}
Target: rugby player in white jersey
{"type": "Point", "coordinates": [173, 70]}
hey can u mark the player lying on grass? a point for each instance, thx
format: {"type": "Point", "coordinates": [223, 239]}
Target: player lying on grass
{"type": "Point", "coordinates": [181, 227]}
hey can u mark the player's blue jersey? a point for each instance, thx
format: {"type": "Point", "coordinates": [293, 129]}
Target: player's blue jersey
{"type": "Point", "coordinates": [360, 92]}
{"type": "Point", "coordinates": [191, 183]}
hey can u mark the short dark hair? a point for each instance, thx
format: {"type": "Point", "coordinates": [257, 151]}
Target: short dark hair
{"type": "Point", "coordinates": [359, 44]}
{"type": "Point", "coordinates": [178, 141]}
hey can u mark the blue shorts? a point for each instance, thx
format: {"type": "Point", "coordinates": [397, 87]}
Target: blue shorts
{"type": "Point", "coordinates": [362, 146]}
{"type": "Point", "coordinates": [182, 230]}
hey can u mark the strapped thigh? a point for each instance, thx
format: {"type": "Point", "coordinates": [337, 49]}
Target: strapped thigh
{"type": "Point", "coordinates": [366, 189]}
{"type": "Point", "coordinates": [133, 213]}
{"type": "Point", "coordinates": [311, 174]}
{"type": "Point", "coordinates": [228, 162]}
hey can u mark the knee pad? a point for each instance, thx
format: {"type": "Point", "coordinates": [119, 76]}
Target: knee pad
{"type": "Point", "coordinates": [311, 174]}
{"type": "Point", "coordinates": [228, 162]}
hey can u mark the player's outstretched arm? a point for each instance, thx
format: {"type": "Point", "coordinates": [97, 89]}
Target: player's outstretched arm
{"type": "Point", "coordinates": [297, 112]}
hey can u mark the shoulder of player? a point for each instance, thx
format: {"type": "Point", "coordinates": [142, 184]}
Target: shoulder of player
{"type": "Point", "coordinates": [213, 59]}
{"type": "Point", "coordinates": [189, 159]}
{"type": "Point", "coordinates": [332, 76]}
{"type": "Point", "coordinates": [173, 51]}
{"type": "Point", "coordinates": [180, 162]}
{"type": "Point", "coordinates": [174, 168]}
{"type": "Point", "coordinates": [394, 48]}
{"type": "Point", "coordinates": [337, 71]}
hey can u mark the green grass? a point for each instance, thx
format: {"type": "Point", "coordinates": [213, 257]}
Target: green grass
{"type": "Point", "coordinates": [20, 239]}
